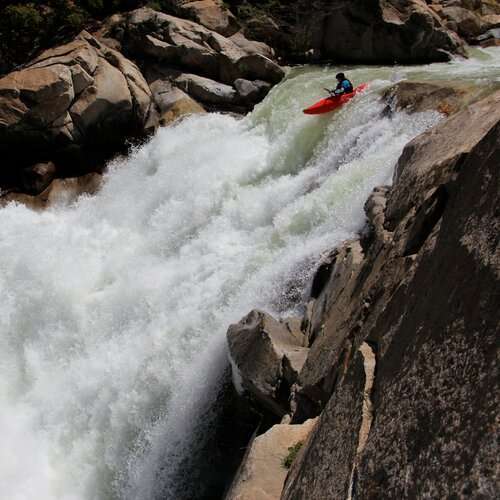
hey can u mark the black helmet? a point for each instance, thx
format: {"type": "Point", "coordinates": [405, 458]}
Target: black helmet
{"type": "Point", "coordinates": [340, 76]}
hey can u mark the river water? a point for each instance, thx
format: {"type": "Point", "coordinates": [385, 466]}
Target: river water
{"type": "Point", "coordinates": [114, 308]}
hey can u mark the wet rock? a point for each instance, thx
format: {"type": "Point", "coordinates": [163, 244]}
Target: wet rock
{"type": "Point", "coordinates": [262, 473]}
{"type": "Point", "coordinates": [266, 356]}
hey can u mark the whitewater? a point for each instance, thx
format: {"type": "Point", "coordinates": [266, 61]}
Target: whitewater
{"type": "Point", "coordinates": [115, 307]}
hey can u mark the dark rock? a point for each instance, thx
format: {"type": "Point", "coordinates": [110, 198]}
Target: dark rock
{"type": "Point", "coordinates": [37, 177]}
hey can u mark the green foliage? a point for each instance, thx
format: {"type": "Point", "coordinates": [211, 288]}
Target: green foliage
{"type": "Point", "coordinates": [20, 27]}
{"type": "Point", "coordinates": [292, 455]}
{"type": "Point", "coordinates": [26, 27]}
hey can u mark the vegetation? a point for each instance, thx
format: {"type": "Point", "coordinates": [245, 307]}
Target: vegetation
{"type": "Point", "coordinates": [26, 27]}
{"type": "Point", "coordinates": [292, 455]}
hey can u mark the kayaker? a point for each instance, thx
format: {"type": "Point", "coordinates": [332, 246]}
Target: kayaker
{"type": "Point", "coordinates": [344, 86]}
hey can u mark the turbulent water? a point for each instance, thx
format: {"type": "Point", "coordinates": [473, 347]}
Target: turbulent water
{"type": "Point", "coordinates": [114, 308]}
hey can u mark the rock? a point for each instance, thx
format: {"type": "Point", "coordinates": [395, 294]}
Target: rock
{"type": "Point", "coordinates": [259, 67]}
{"type": "Point", "coordinates": [195, 49]}
{"type": "Point", "coordinates": [422, 306]}
{"type": "Point", "coordinates": [206, 90]}
{"type": "Point", "coordinates": [251, 92]}
{"type": "Point", "coordinates": [488, 7]}
{"type": "Point", "coordinates": [172, 102]}
{"type": "Point", "coordinates": [252, 46]}
{"type": "Point", "coordinates": [416, 175]}
{"type": "Point", "coordinates": [386, 32]}
{"type": "Point", "coordinates": [467, 24]}
{"type": "Point", "coordinates": [213, 15]}
{"type": "Point", "coordinates": [443, 96]}
{"type": "Point", "coordinates": [491, 22]}
{"type": "Point", "coordinates": [37, 177]}
{"type": "Point", "coordinates": [262, 474]}
{"type": "Point", "coordinates": [59, 191]}
{"type": "Point", "coordinates": [181, 107]}
{"type": "Point", "coordinates": [74, 102]}
{"type": "Point", "coordinates": [266, 356]}
{"type": "Point", "coordinates": [489, 39]}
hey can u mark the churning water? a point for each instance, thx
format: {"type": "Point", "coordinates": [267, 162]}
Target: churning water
{"type": "Point", "coordinates": [114, 308]}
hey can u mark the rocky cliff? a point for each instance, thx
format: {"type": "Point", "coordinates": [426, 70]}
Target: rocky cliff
{"type": "Point", "coordinates": [400, 334]}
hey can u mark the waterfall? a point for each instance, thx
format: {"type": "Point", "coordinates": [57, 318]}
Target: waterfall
{"type": "Point", "coordinates": [115, 307]}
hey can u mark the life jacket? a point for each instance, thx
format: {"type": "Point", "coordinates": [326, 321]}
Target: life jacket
{"type": "Point", "coordinates": [346, 85]}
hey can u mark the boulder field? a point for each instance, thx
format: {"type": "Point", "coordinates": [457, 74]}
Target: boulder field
{"type": "Point", "coordinates": [400, 332]}
{"type": "Point", "coordinates": [80, 103]}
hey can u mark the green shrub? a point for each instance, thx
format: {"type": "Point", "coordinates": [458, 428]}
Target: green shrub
{"type": "Point", "coordinates": [20, 31]}
{"type": "Point", "coordinates": [292, 455]}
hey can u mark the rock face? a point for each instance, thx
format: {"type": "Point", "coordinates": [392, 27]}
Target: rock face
{"type": "Point", "coordinates": [263, 474]}
{"type": "Point", "coordinates": [380, 31]}
{"type": "Point", "coordinates": [359, 31]}
{"type": "Point", "coordinates": [425, 302]}
{"type": "Point", "coordinates": [266, 356]}
{"type": "Point", "coordinates": [80, 98]}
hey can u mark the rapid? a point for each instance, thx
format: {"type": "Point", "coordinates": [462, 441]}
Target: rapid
{"type": "Point", "coordinates": [115, 307]}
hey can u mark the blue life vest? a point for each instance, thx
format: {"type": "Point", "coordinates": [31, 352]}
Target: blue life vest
{"type": "Point", "coordinates": [346, 85]}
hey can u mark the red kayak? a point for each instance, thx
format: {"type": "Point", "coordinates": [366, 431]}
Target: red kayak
{"type": "Point", "coordinates": [330, 103]}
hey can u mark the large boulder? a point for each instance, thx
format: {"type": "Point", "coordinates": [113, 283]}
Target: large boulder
{"type": "Point", "coordinates": [447, 97]}
{"type": "Point", "coordinates": [403, 31]}
{"type": "Point", "coordinates": [212, 14]}
{"type": "Point", "coordinates": [188, 45]}
{"type": "Point", "coordinates": [266, 356]}
{"type": "Point", "coordinates": [206, 90]}
{"type": "Point", "coordinates": [409, 341]}
{"type": "Point", "coordinates": [78, 99]}
{"type": "Point", "coordinates": [172, 102]}
{"type": "Point", "coordinates": [464, 21]}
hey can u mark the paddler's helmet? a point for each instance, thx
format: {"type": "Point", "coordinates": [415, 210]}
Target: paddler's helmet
{"type": "Point", "coordinates": [340, 76]}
